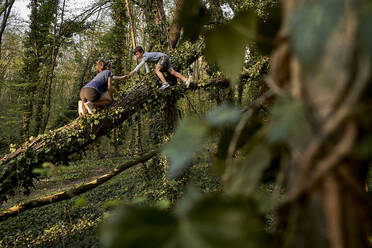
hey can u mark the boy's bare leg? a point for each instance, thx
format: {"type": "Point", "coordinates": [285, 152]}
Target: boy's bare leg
{"type": "Point", "coordinates": [177, 74]}
{"type": "Point", "coordinates": [160, 74]}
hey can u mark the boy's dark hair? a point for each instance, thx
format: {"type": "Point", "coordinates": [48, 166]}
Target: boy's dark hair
{"type": "Point", "coordinates": [138, 49]}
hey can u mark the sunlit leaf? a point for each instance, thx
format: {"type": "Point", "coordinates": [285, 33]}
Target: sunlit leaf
{"type": "Point", "coordinates": [110, 204]}
{"type": "Point", "coordinates": [227, 44]}
{"type": "Point", "coordinates": [46, 169]}
{"type": "Point", "coordinates": [81, 202]}
{"type": "Point", "coordinates": [312, 25]}
{"type": "Point", "coordinates": [187, 140]}
{"type": "Point", "coordinates": [224, 115]}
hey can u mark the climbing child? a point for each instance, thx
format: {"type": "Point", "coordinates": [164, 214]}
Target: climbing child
{"type": "Point", "coordinates": [162, 64]}
{"type": "Point", "coordinates": [98, 92]}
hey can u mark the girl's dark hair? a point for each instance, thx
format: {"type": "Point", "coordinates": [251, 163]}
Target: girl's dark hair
{"type": "Point", "coordinates": [138, 49]}
{"type": "Point", "coordinates": [102, 65]}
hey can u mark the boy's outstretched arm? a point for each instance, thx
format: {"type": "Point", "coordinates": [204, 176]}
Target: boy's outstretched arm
{"type": "Point", "coordinates": [137, 68]}
{"type": "Point", "coordinates": [130, 74]}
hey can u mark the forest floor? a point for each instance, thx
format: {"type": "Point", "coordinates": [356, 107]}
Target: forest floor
{"type": "Point", "coordinates": [76, 222]}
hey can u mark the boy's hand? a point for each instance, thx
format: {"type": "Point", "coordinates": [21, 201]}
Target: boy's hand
{"type": "Point", "coordinates": [130, 74]}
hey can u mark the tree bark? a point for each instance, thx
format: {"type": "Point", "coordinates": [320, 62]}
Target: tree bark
{"type": "Point", "coordinates": [325, 197]}
{"type": "Point", "coordinates": [175, 29]}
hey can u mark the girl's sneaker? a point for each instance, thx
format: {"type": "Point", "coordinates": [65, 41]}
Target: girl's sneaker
{"type": "Point", "coordinates": [188, 82]}
{"type": "Point", "coordinates": [89, 106]}
{"type": "Point", "coordinates": [80, 108]}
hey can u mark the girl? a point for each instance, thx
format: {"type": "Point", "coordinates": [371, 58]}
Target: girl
{"type": "Point", "coordinates": [97, 92]}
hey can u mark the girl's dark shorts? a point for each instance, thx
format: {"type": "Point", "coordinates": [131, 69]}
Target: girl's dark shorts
{"type": "Point", "coordinates": [90, 94]}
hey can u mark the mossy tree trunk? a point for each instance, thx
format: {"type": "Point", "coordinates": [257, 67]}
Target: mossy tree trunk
{"type": "Point", "coordinates": [325, 202]}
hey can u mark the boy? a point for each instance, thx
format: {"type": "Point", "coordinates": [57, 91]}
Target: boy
{"type": "Point", "coordinates": [162, 64]}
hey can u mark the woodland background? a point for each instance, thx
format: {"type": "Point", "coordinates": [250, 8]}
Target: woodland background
{"type": "Point", "coordinates": [271, 145]}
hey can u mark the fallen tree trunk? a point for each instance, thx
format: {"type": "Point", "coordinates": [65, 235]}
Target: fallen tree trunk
{"type": "Point", "coordinates": [15, 210]}
{"type": "Point", "coordinates": [56, 146]}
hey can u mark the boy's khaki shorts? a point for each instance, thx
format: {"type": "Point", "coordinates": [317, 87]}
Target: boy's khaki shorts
{"type": "Point", "coordinates": [165, 63]}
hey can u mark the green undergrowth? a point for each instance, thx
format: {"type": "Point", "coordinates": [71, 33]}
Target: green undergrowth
{"type": "Point", "coordinates": [75, 222]}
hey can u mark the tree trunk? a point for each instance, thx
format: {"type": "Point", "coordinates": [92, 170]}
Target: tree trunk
{"type": "Point", "coordinates": [6, 11]}
{"type": "Point", "coordinates": [175, 29]}
{"type": "Point", "coordinates": [27, 114]}
{"type": "Point", "coordinates": [46, 21]}
{"type": "Point", "coordinates": [131, 26]}
{"type": "Point", "coordinates": [325, 202]}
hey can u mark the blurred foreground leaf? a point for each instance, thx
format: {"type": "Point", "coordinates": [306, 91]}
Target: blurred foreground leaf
{"type": "Point", "coordinates": [212, 221]}
{"type": "Point", "coordinates": [311, 26]}
{"type": "Point", "coordinates": [224, 115]}
{"type": "Point", "coordinates": [287, 120]}
{"type": "Point", "coordinates": [188, 140]}
{"type": "Point", "coordinates": [227, 44]}
{"type": "Point", "coordinates": [132, 226]}
{"type": "Point", "coordinates": [248, 170]}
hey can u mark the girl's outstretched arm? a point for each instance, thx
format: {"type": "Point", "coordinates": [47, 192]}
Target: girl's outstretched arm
{"type": "Point", "coordinates": [119, 77]}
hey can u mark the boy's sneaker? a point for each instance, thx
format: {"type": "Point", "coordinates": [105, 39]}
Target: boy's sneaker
{"type": "Point", "coordinates": [80, 108]}
{"type": "Point", "coordinates": [164, 86]}
{"type": "Point", "coordinates": [89, 106]}
{"type": "Point", "coordinates": [188, 82]}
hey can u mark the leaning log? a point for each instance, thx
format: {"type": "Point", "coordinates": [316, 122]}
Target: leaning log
{"type": "Point", "coordinates": [68, 194]}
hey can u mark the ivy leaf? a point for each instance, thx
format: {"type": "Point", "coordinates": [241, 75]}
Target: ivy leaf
{"type": "Point", "coordinates": [187, 140]}
{"type": "Point", "coordinates": [227, 44]}
{"type": "Point", "coordinates": [81, 202]}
